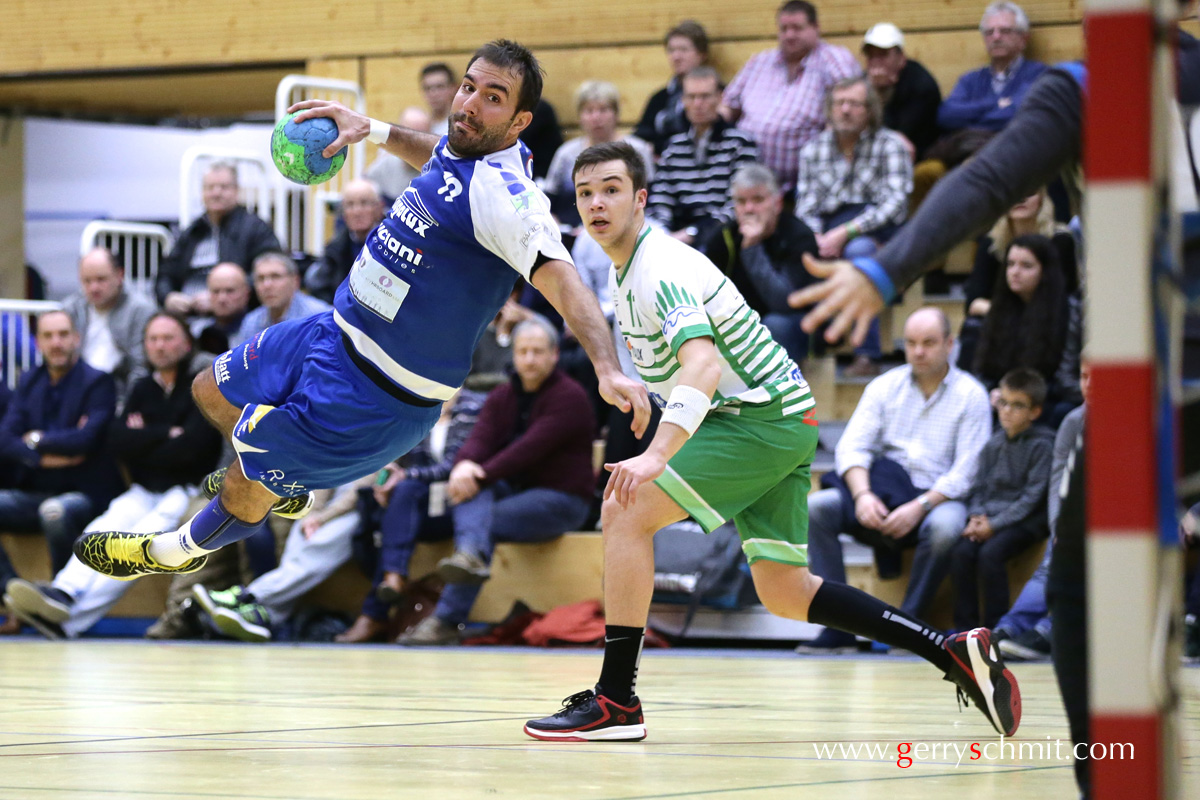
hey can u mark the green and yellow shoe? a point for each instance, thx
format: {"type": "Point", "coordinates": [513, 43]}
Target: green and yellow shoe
{"type": "Point", "coordinates": [286, 507]}
{"type": "Point", "coordinates": [126, 556]}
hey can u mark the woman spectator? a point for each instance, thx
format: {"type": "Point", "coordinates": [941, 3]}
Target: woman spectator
{"type": "Point", "coordinates": [1033, 321]}
{"type": "Point", "coordinates": [687, 48]}
{"type": "Point", "coordinates": [598, 104]}
{"type": "Point", "coordinates": [1034, 214]}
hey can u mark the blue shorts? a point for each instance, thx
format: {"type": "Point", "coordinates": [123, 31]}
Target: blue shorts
{"type": "Point", "coordinates": [310, 418]}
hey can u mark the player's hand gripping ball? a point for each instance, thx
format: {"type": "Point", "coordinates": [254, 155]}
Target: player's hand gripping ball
{"type": "Point", "coordinates": [296, 149]}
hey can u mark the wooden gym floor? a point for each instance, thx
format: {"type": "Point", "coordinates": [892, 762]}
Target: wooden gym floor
{"type": "Point", "coordinates": [137, 720]}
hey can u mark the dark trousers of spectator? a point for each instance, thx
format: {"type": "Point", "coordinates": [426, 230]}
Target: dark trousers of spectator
{"type": "Point", "coordinates": [499, 513]}
{"type": "Point", "coordinates": [60, 517]}
{"type": "Point", "coordinates": [402, 524]}
{"type": "Point", "coordinates": [831, 511]}
{"type": "Point", "coordinates": [863, 246]}
{"type": "Point", "coordinates": [976, 565]}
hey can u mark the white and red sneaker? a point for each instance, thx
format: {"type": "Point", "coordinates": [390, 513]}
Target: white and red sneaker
{"type": "Point", "coordinates": [980, 674]}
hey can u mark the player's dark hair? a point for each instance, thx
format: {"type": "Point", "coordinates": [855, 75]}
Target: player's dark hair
{"type": "Point", "coordinates": [614, 151]}
{"type": "Point", "coordinates": [1017, 333]}
{"type": "Point", "coordinates": [507, 54]}
{"type": "Point", "coordinates": [799, 7]}
{"type": "Point", "coordinates": [1027, 381]}
{"type": "Point", "coordinates": [692, 31]}
{"type": "Point", "coordinates": [438, 66]}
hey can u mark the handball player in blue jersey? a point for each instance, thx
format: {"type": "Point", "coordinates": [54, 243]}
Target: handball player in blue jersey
{"type": "Point", "coordinates": [319, 402]}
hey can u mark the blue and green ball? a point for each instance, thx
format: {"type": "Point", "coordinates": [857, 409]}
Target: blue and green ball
{"type": "Point", "coordinates": [296, 149]}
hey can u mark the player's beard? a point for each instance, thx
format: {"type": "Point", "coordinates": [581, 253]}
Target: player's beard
{"type": "Point", "coordinates": [487, 140]}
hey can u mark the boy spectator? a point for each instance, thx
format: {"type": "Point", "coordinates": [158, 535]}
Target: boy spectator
{"type": "Point", "coordinates": [167, 447]}
{"type": "Point", "coordinates": [1024, 632]}
{"type": "Point", "coordinates": [690, 192]}
{"type": "Point", "coordinates": [987, 98]}
{"type": "Point", "coordinates": [1007, 509]}
{"type": "Point", "coordinates": [777, 97]}
{"type": "Point", "coordinates": [53, 431]}
{"type": "Point", "coordinates": [225, 231]}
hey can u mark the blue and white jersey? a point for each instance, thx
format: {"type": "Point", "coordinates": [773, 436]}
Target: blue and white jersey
{"type": "Point", "coordinates": [438, 268]}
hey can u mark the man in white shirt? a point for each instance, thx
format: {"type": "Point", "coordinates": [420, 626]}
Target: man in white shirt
{"type": "Point", "coordinates": [110, 319]}
{"type": "Point", "coordinates": [904, 466]}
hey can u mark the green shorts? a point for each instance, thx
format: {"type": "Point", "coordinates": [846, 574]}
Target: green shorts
{"type": "Point", "coordinates": [755, 472]}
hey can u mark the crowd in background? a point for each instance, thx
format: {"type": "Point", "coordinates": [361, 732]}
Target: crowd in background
{"type": "Point", "coordinates": [809, 149]}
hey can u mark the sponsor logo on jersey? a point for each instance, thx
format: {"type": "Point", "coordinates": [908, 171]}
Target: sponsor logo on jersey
{"type": "Point", "coordinates": [532, 231]}
{"type": "Point", "coordinates": [523, 202]}
{"type": "Point", "coordinates": [221, 368]}
{"type": "Point", "coordinates": [658, 399]}
{"type": "Point", "coordinates": [411, 210]}
{"type": "Point", "coordinates": [681, 317]}
{"type": "Point", "coordinates": [398, 248]}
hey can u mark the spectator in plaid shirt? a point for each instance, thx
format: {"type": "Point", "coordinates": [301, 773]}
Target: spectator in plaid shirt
{"type": "Point", "coordinates": [855, 176]}
{"type": "Point", "coordinates": [777, 97]}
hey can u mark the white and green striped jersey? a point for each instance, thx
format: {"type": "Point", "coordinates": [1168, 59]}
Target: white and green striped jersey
{"type": "Point", "coordinates": [668, 293]}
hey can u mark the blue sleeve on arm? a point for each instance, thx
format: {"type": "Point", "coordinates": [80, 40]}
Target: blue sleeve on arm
{"type": "Point", "coordinates": [883, 282]}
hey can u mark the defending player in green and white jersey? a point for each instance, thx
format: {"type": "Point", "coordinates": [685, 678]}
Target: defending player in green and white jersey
{"type": "Point", "coordinates": [736, 441]}
{"type": "Point", "coordinates": [669, 293]}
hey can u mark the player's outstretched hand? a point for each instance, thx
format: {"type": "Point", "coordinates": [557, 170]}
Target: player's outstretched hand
{"type": "Point", "coordinates": [628, 475]}
{"type": "Point", "coordinates": [844, 295]}
{"type": "Point", "coordinates": [352, 126]}
{"type": "Point", "coordinates": [627, 394]}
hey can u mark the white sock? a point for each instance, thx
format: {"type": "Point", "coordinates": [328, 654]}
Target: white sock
{"type": "Point", "coordinates": [177, 547]}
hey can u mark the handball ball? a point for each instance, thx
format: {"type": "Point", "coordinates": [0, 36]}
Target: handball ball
{"type": "Point", "coordinates": [296, 149]}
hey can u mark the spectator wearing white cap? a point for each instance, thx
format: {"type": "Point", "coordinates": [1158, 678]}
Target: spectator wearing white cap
{"type": "Point", "coordinates": [910, 94]}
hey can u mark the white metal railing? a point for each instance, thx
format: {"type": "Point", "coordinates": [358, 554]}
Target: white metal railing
{"type": "Point", "coordinates": [140, 246]}
{"type": "Point", "coordinates": [256, 181]}
{"type": "Point", "coordinates": [18, 350]}
{"type": "Point", "coordinates": [303, 212]}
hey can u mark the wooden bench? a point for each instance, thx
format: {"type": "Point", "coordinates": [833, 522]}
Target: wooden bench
{"type": "Point", "coordinates": [545, 575]}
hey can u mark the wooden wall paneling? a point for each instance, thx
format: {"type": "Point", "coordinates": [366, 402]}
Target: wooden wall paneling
{"type": "Point", "coordinates": [640, 70]}
{"type": "Point", "coordinates": [220, 93]}
{"type": "Point", "coordinates": [12, 206]}
{"type": "Point", "coordinates": [107, 34]}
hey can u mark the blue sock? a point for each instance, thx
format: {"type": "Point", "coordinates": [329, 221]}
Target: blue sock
{"type": "Point", "coordinates": [211, 529]}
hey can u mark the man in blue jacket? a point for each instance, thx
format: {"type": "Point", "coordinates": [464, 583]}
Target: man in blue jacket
{"type": "Point", "coordinates": [53, 431]}
{"type": "Point", "coordinates": [988, 97]}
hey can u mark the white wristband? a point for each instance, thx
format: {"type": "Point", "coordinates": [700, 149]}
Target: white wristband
{"type": "Point", "coordinates": [686, 407]}
{"type": "Point", "coordinates": [380, 131]}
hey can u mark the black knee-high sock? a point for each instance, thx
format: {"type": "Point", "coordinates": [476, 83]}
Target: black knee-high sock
{"type": "Point", "coordinates": [837, 605]}
{"type": "Point", "coordinates": [622, 652]}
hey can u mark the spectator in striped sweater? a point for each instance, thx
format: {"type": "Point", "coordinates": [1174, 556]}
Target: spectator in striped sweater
{"type": "Point", "coordinates": [690, 191]}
